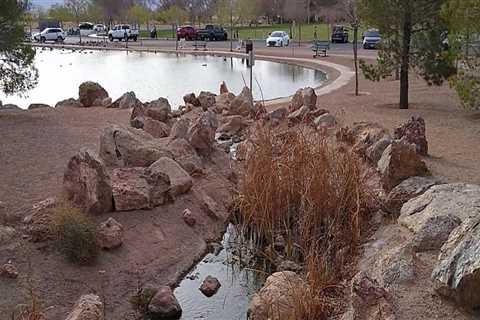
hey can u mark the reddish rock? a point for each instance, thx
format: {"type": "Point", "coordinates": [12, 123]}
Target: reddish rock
{"type": "Point", "coordinates": [8, 270]}
{"type": "Point", "coordinates": [233, 125]}
{"type": "Point", "coordinates": [127, 101]}
{"type": "Point", "coordinates": [88, 307]}
{"type": "Point", "coordinates": [87, 184]}
{"type": "Point", "coordinates": [207, 99]}
{"type": "Point", "coordinates": [414, 132]}
{"type": "Point", "coordinates": [223, 88]}
{"type": "Point", "coordinates": [156, 128]}
{"type": "Point", "coordinates": [164, 305]}
{"type": "Point", "coordinates": [180, 128]}
{"type": "Point", "coordinates": [131, 191]}
{"type": "Point", "coordinates": [303, 97]}
{"type": "Point", "coordinates": [399, 162]}
{"type": "Point", "coordinates": [192, 100]}
{"type": "Point", "coordinates": [201, 134]}
{"type": "Point", "coordinates": [242, 104]}
{"type": "Point", "coordinates": [168, 169]}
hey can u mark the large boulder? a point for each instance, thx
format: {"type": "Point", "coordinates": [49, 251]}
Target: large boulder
{"type": "Point", "coordinates": [164, 305]}
{"type": "Point", "coordinates": [408, 189]}
{"type": "Point", "coordinates": [298, 114]}
{"type": "Point", "coordinates": [69, 103]}
{"type": "Point", "coordinates": [180, 129]}
{"type": "Point", "coordinates": [121, 147]}
{"type": "Point", "coordinates": [207, 99]}
{"type": "Point", "coordinates": [185, 155]}
{"type": "Point", "coordinates": [201, 133]}
{"type": "Point", "coordinates": [456, 273]}
{"type": "Point", "coordinates": [127, 101]}
{"type": "Point", "coordinates": [109, 234]}
{"type": "Point", "coordinates": [414, 132]}
{"type": "Point", "coordinates": [433, 215]}
{"type": "Point", "coordinates": [375, 151]}
{"type": "Point", "coordinates": [159, 109]}
{"type": "Point", "coordinates": [242, 104]}
{"type": "Point", "coordinates": [232, 125]}
{"type": "Point", "coordinates": [87, 184]}
{"type": "Point", "coordinates": [223, 88]}
{"type": "Point", "coordinates": [88, 307]}
{"type": "Point", "coordinates": [131, 190]}
{"type": "Point", "coordinates": [326, 120]}
{"type": "Point", "coordinates": [166, 168]}
{"type": "Point", "coordinates": [399, 162]}
{"type": "Point", "coordinates": [368, 300]}
{"type": "Point", "coordinates": [89, 92]}
{"type": "Point", "coordinates": [10, 107]}
{"type": "Point", "coordinates": [223, 101]}
{"type": "Point", "coordinates": [303, 97]}
{"type": "Point", "coordinates": [396, 266]}
{"type": "Point", "coordinates": [274, 301]}
{"type": "Point", "coordinates": [39, 219]}
{"type": "Point", "coordinates": [157, 129]}
{"type": "Point", "coordinates": [364, 135]}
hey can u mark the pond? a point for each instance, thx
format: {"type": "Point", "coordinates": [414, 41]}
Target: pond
{"type": "Point", "coordinates": [238, 284]}
{"type": "Point", "coordinates": [152, 76]}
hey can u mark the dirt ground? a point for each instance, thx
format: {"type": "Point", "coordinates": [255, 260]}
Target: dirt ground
{"type": "Point", "coordinates": [158, 246]}
{"type": "Point", "coordinates": [36, 145]}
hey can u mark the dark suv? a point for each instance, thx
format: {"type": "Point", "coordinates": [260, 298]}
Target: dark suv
{"type": "Point", "coordinates": [212, 33]}
{"type": "Point", "coordinates": [340, 34]}
{"type": "Point", "coordinates": [187, 33]}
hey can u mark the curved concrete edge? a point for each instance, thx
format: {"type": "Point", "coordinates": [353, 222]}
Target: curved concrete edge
{"type": "Point", "coordinates": [344, 77]}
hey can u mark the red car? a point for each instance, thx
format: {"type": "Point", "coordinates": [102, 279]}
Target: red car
{"type": "Point", "coordinates": [187, 33]}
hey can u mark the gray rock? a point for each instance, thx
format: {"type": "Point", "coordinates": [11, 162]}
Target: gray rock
{"type": "Point", "coordinates": [299, 114]}
{"type": "Point", "coordinates": [278, 114]}
{"type": "Point", "coordinates": [159, 109]}
{"type": "Point", "coordinates": [180, 129]}
{"type": "Point", "coordinates": [192, 99]}
{"type": "Point", "coordinates": [399, 162]}
{"type": "Point", "coordinates": [122, 147]}
{"type": "Point", "coordinates": [303, 97]}
{"type": "Point", "coordinates": [326, 120]}
{"type": "Point", "coordinates": [166, 168]}
{"type": "Point", "coordinates": [87, 184]}
{"type": "Point", "coordinates": [10, 107]}
{"type": "Point", "coordinates": [186, 156]}
{"type": "Point", "coordinates": [408, 189]}
{"type": "Point", "coordinates": [127, 101]}
{"type": "Point", "coordinates": [396, 266]}
{"type": "Point", "coordinates": [414, 132]}
{"type": "Point", "coordinates": [453, 202]}
{"type": "Point", "coordinates": [156, 128]}
{"type": "Point", "coordinates": [210, 286]}
{"type": "Point", "coordinates": [6, 234]}
{"type": "Point", "coordinates": [456, 272]}
{"type": "Point", "coordinates": [375, 151]}
{"type": "Point", "coordinates": [89, 92]}
{"type": "Point", "coordinates": [206, 99]}
{"type": "Point", "coordinates": [38, 220]}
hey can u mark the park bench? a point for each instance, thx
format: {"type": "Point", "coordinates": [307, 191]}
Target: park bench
{"type": "Point", "coordinates": [320, 47]}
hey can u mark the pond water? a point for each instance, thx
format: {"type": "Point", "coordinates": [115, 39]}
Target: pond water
{"type": "Point", "coordinates": [152, 76]}
{"type": "Point", "coordinates": [238, 285]}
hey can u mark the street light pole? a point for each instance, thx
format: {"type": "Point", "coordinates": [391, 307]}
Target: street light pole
{"type": "Point", "coordinates": [231, 25]}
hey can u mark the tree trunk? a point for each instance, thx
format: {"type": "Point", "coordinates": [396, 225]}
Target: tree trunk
{"type": "Point", "coordinates": [355, 56]}
{"type": "Point", "coordinates": [405, 64]}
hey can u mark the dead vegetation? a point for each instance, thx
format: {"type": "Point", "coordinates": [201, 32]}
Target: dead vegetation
{"type": "Point", "coordinates": [312, 192]}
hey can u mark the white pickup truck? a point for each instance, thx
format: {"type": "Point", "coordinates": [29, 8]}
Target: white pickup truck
{"type": "Point", "coordinates": [123, 32]}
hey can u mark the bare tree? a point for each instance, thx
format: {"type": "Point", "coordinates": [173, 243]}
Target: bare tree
{"type": "Point", "coordinates": [77, 8]}
{"type": "Point", "coordinates": [351, 16]}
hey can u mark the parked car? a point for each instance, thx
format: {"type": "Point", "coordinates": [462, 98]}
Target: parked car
{"type": "Point", "coordinates": [50, 34]}
{"type": "Point", "coordinates": [371, 39]}
{"type": "Point", "coordinates": [187, 33]}
{"type": "Point", "coordinates": [123, 32]}
{"type": "Point", "coordinates": [340, 34]}
{"type": "Point", "coordinates": [212, 33]}
{"type": "Point", "coordinates": [278, 39]}
{"type": "Point", "coordinates": [100, 28]}
{"type": "Point", "coordinates": [86, 29]}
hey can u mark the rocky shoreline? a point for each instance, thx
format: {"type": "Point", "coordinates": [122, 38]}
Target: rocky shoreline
{"type": "Point", "coordinates": [166, 157]}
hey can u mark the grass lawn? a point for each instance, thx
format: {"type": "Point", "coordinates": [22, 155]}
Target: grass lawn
{"type": "Point", "coordinates": [304, 32]}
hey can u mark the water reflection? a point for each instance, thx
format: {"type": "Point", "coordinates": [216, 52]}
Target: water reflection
{"type": "Point", "coordinates": [239, 284]}
{"type": "Point", "coordinates": [153, 75]}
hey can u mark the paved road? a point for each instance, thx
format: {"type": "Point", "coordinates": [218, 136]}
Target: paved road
{"type": "Point", "coordinates": [336, 48]}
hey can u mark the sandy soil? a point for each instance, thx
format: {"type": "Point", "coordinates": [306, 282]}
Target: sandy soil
{"type": "Point", "coordinates": [158, 246]}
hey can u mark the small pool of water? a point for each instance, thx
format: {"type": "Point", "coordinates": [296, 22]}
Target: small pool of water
{"type": "Point", "coordinates": [238, 285]}
{"type": "Point", "coordinates": [152, 76]}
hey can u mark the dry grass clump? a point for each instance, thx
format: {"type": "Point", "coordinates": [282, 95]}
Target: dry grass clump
{"type": "Point", "coordinates": [75, 233]}
{"type": "Point", "coordinates": [314, 193]}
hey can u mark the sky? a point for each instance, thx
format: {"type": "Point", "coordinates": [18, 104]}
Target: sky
{"type": "Point", "coordinates": [45, 3]}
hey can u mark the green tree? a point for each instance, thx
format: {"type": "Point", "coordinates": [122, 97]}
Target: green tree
{"type": "Point", "coordinates": [17, 71]}
{"type": "Point", "coordinates": [411, 32]}
{"type": "Point", "coordinates": [174, 16]}
{"type": "Point", "coordinates": [60, 13]}
{"type": "Point", "coordinates": [463, 18]}
{"type": "Point", "coordinates": [139, 14]}
{"type": "Point", "coordinates": [78, 9]}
